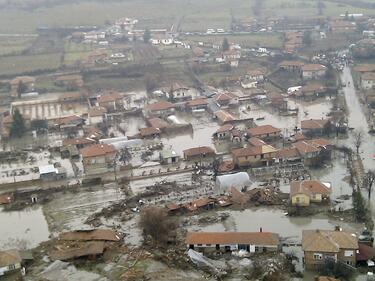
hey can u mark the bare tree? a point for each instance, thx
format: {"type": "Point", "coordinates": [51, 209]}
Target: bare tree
{"type": "Point", "coordinates": [358, 139]}
{"type": "Point", "coordinates": [155, 223]}
{"type": "Point", "coordinates": [369, 181]}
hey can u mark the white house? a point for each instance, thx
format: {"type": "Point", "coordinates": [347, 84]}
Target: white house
{"type": "Point", "coordinates": [368, 80]}
{"type": "Point", "coordinates": [180, 92]}
{"type": "Point", "coordinates": [9, 261]}
{"type": "Point", "coordinates": [313, 71]}
{"type": "Point", "coordinates": [97, 115]}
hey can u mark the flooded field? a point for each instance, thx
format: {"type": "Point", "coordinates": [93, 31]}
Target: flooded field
{"type": "Point", "coordinates": [201, 135]}
{"type": "Point", "coordinates": [314, 110]}
{"type": "Point", "coordinates": [274, 220]}
{"type": "Point", "coordinates": [23, 229]}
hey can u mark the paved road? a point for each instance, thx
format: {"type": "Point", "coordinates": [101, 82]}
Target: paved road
{"type": "Point", "coordinates": [358, 120]}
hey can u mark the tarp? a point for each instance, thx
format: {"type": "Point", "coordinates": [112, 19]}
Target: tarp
{"type": "Point", "coordinates": [237, 180]}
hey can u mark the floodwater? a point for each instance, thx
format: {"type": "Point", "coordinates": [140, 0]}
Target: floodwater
{"type": "Point", "coordinates": [201, 135]}
{"type": "Point", "coordinates": [313, 110]}
{"type": "Point", "coordinates": [23, 229]}
{"type": "Point", "coordinates": [337, 175]}
{"type": "Point", "coordinates": [70, 210]}
{"type": "Point", "coordinates": [357, 119]}
{"type": "Point", "coordinates": [274, 220]}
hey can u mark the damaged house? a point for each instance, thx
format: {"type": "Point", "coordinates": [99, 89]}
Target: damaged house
{"type": "Point", "coordinates": [253, 242]}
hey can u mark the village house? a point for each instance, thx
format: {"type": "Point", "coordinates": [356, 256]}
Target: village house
{"type": "Point", "coordinates": [223, 99]}
{"type": "Point", "coordinates": [291, 66]}
{"type": "Point", "coordinates": [10, 261]}
{"type": "Point", "coordinates": [342, 26]}
{"type": "Point", "coordinates": [69, 97]}
{"type": "Point", "coordinates": [98, 158]}
{"type": "Point", "coordinates": [336, 245]}
{"type": "Point", "coordinates": [70, 82]}
{"type": "Point", "coordinates": [197, 105]}
{"type": "Point", "coordinates": [24, 84]}
{"type": "Point", "coordinates": [179, 92]}
{"type": "Point", "coordinates": [112, 101]}
{"type": "Point", "coordinates": [50, 173]}
{"type": "Point", "coordinates": [224, 117]}
{"type": "Point", "coordinates": [199, 153]}
{"type": "Point", "coordinates": [157, 123]}
{"type": "Point", "coordinates": [288, 155]}
{"type": "Point", "coordinates": [224, 132]}
{"type": "Point", "coordinates": [277, 100]}
{"type": "Point", "coordinates": [97, 115]}
{"type": "Point", "coordinates": [169, 156]}
{"type": "Point", "coordinates": [316, 127]}
{"type": "Point", "coordinates": [254, 156]}
{"type": "Point", "coordinates": [149, 132]}
{"type": "Point", "coordinates": [71, 146]}
{"type": "Point", "coordinates": [313, 71]}
{"type": "Point", "coordinates": [252, 242]}
{"type": "Point", "coordinates": [264, 132]}
{"type": "Point", "coordinates": [311, 91]}
{"type": "Point", "coordinates": [161, 108]}
{"type": "Point", "coordinates": [367, 80]}
{"type": "Point", "coordinates": [313, 151]}
{"type": "Point", "coordinates": [362, 68]}
{"type": "Point", "coordinates": [256, 75]}
{"type": "Point", "coordinates": [247, 83]}
{"type": "Point", "coordinates": [303, 193]}
{"type": "Point", "coordinates": [200, 204]}
{"type": "Point", "coordinates": [69, 123]}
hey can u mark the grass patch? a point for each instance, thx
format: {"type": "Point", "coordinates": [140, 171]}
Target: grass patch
{"type": "Point", "coordinates": [15, 45]}
{"type": "Point", "coordinates": [13, 65]}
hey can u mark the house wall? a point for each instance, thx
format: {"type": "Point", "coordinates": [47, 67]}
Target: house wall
{"type": "Point", "coordinates": [5, 269]}
{"type": "Point", "coordinates": [367, 84]}
{"type": "Point", "coordinates": [301, 200]}
{"type": "Point", "coordinates": [253, 161]}
{"type": "Point", "coordinates": [312, 263]}
{"type": "Point", "coordinates": [267, 136]}
{"type": "Point", "coordinates": [96, 119]}
{"type": "Point", "coordinates": [206, 248]}
{"type": "Point", "coordinates": [316, 198]}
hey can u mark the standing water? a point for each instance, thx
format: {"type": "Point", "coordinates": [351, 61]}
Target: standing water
{"type": "Point", "coordinates": [22, 229]}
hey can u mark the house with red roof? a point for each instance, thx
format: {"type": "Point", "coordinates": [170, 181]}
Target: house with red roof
{"type": "Point", "coordinates": [303, 193]}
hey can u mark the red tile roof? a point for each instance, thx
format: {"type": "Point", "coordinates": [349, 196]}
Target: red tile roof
{"type": "Point", "coordinates": [225, 116]}
{"type": "Point", "coordinates": [314, 124]}
{"type": "Point", "coordinates": [196, 151]}
{"type": "Point", "coordinates": [197, 102]}
{"type": "Point", "coordinates": [161, 105]}
{"type": "Point", "coordinates": [110, 97]}
{"type": "Point", "coordinates": [313, 67]}
{"type": "Point", "coordinates": [78, 141]}
{"type": "Point", "coordinates": [158, 123]}
{"type": "Point", "coordinates": [97, 111]}
{"type": "Point", "coordinates": [150, 131]}
{"type": "Point", "coordinates": [263, 130]}
{"type": "Point", "coordinates": [97, 150]}
{"type": "Point", "coordinates": [228, 238]}
{"type": "Point", "coordinates": [308, 187]}
{"type": "Point", "coordinates": [225, 128]}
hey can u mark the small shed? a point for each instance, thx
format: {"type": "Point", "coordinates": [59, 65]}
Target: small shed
{"type": "Point", "coordinates": [238, 180]}
{"type": "Point", "coordinates": [47, 172]}
{"type": "Point", "coordinates": [169, 156]}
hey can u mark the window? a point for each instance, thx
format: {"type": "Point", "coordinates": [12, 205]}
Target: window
{"type": "Point", "coordinates": [318, 256]}
{"type": "Point", "coordinates": [12, 267]}
{"type": "Point", "coordinates": [349, 262]}
{"type": "Point", "coordinates": [199, 245]}
{"type": "Point", "coordinates": [208, 245]}
{"type": "Point", "coordinates": [349, 253]}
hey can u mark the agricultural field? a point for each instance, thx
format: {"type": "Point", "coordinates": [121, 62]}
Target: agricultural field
{"type": "Point", "coordinates": [12, 65]}
{"type": "Point", "coordinates": [14, 45]}
{"type": "Point", "coordinates": [190, 15]}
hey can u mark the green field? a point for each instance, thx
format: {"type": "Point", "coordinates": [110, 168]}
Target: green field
{"type": "Point", "coordinates": [15, 45]}
{"type": "Point", "coordinates": [12, 65]}
{"type": "Point", "coordinates": [193, 15]}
